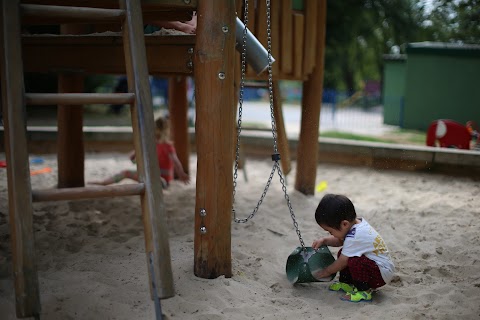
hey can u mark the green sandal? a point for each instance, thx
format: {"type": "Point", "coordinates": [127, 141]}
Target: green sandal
{"type": "Point", "coordinates": [358, 296]}
{"type": "Point", "coordinates": [345, 287]}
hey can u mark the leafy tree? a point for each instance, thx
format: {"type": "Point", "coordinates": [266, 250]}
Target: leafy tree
{"type": "Point", "coordinates": [360, 32]}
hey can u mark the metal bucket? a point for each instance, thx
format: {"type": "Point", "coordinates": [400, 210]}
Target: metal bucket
{"type": "Point", "coordinates": [302, 264]}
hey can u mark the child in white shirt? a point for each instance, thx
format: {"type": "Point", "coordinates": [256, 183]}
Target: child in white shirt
{"type": "Point", "coordinates": [364, 261]}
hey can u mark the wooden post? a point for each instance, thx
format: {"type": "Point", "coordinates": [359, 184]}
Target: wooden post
{"type": "Point", "coordinates": [214, 72]}
{"type": "Point", "coordinates": [178, 104]}
{"type": "Point", "coordinates": [307, 153]}
{"type": "Point", "coordinates": [27, 293]}
{"type": "Point", "coordinates": [71, 154]}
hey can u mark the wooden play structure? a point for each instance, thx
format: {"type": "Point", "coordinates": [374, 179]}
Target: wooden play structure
{"type": "Point", "coordinates": [298, 37]}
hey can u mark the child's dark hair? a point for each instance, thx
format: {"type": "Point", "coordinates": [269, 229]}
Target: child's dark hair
{"type": "Point", "coordinates": [333, 209]}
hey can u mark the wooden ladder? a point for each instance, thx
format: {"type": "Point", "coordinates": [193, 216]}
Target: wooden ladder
{"type": "Point", "coordinates": [20, 194]}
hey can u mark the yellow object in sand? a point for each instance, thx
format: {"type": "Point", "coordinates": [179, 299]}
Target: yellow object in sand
{"type": "Point", "coordinates": [321, 186]}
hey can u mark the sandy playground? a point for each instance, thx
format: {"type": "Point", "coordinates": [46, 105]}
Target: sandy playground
{"type": "Point", "coordinates": [92, 264]}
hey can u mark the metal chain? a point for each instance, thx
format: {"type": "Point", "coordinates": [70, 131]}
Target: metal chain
{"type": "Point", "coordinates": [276, 165]}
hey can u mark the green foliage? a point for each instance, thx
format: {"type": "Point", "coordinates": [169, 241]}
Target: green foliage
{"type": "Point", "coordinates": [455, 21]}
{"type": "Point", "coordinates": [360, 32]}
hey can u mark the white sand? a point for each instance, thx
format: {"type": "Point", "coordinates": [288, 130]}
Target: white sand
{"type": "Point", "coordinates": [92, 264]}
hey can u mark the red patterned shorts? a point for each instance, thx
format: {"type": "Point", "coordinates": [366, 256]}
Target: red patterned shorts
{"type": "Point", "coordinates": [362, 272]}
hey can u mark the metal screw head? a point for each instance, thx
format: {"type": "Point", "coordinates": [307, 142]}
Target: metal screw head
{"type": "Point", "coordinates": [190, 50]}
{"type": "Point", "coordinates": [225, 29]}
{"type": "Point", "coordinates": [187, 1]}
{"type": "Point", "coordinates": [203, 230]}
{"type": "Point", "coordinates": [203, 212]}
{"type": "Point", "coordinates": [221, 75]}
{"type": "Point", "coordinates": [190, 64]}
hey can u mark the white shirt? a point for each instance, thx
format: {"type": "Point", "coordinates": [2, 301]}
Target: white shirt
{"type": "Point", "coordinates": [362, 239]}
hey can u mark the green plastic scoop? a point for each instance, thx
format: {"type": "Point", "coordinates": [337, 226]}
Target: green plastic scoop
{"type": "Point", "coordinates": [301, 264]}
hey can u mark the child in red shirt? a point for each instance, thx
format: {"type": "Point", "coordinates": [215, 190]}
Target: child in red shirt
{"type": "Point", "coordinates": [168, 161]}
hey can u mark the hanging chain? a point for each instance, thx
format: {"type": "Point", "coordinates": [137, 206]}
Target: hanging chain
{"type": "Point", "coordinates": [275, 156]}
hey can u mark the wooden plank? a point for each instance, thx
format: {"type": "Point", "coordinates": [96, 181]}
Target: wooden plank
{"type": "Point", "coordinates": [153, 207]}
{"type": "Point", "coordinates": [49, 14]}
{"type": "Point", "coordinates": [298, 40]}
{"type": "Point", "coordinates": [276, 38]}
{"type": "Point", "coordinates": [283, 147]}
{"type": "Point", "coordinates": [66, 53]}
{"type": "Point", "coordinates": [239, 8]}
{"type": "Point", "coordinates": [62, 194]}
{"type": "Point", "coordinates": [78, 98]}
{"type": "Point", "coordinates": [215, 52]}
{"type": "Point", "coordinates": [310, 49]}
{"type": "Point", "coordinates": [178, 105]}
{"type": "Point", "coordinates": [153, 10]}
{"type": "Point", "coordinates": [27, 294]}
{"type": "Point", "coordinates": [307, 152]}
{"type": "Point", "coordinates": [146, 4]}
{"type": "Point", "coordinates": [260, 30]}
{"type": "Point", "coordinates": [286, 58]}
{"type": "Point", "coordinates": [252, 20]}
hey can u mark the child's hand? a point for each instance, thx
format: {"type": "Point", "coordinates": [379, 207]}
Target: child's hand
{"type": "Point", "coordinates": [321, 275]}
{"type": "Point", "coordinates": [318, 243]}
{"type": "Point", "coordinates": [184, 177]}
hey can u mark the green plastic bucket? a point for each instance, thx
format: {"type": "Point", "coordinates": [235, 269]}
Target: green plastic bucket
{"type": "Point", "coordinates": [301, 264]}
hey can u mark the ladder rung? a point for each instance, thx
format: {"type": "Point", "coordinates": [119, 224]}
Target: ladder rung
{"type": "Point", "coordinates": [256, 84]}
{"type": "Point", "coordinates": [88, 192]}
{"type": "Point", "coordinates": [78, 98]}
{"type": "Point", "coordinates": [75, 13]}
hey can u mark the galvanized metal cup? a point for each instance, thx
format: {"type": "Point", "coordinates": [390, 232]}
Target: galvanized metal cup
{"type": "Point", "coordinates": [257, 55]}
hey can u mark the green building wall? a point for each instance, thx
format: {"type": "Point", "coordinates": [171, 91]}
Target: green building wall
{"type": "Point", "coordinates": [394, 89]}
{"type": "Point", "coordinates": [442, 82]}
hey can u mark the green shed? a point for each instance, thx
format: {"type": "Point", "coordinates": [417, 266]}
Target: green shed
{"type": "Point", "coordinates": [442, 82]}
{"type": "Point", "coordinates": [394, 88]}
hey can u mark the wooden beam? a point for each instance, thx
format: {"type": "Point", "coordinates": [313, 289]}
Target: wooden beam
{"type": "Point", "coordinates": [66, 53]}
{"type": "Point", "coordinates": [71, 154]}
{"type": "Point", "coordinates": [27, 293]}
{"type": "Point", "coordinates": [147, 5]}
{"type": "Point", "coordinates": [178, 105]}
{"type": "Point", "coordinates": [251, 25]}
{"type": "Point", "coordinates": [78, 98]}
{"type": "Point", "coordinates": [310, 32]}
{"type": "Point", "coordinates": [214, 74]}
{"type": "Point", "coordinates": [276, 35]}
{"type": "Point", "coordinates": [58, 14]}
{"type": "Point", "coordinates": [283, 146]}
{"type": "Point", "coordinates": [153, 207]}
{"type": "Point", "coordinates": [286, 49]}
{"type": "Point", "coordinates": [307, 153]}
{"type": "Point", "coordinates": [298, 48]}
{"type": "Point", "coordinates": [120, 190]}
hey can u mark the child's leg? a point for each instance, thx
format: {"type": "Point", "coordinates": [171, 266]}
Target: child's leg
{"type": "Point", "coordinates": [345, 281]}
{"type": "Point", "coordinates": [131, 174]}
{"type": "Point", "coordinates": [345, 276]}
{"type": "Point", "coordinates": [364, 273]}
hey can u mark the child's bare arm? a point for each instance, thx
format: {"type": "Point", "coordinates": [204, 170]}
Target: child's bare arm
{"type": "Point", "coordinates": [179, 169]}
{"type": "Point", "coordinates": [131, 156]}
{"type": "Point", "coordinates": [327, 241]}
{"type": "Point", "coordinates": [338, 265]}
{"type": "Point", "coordinates": [177, 25]}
